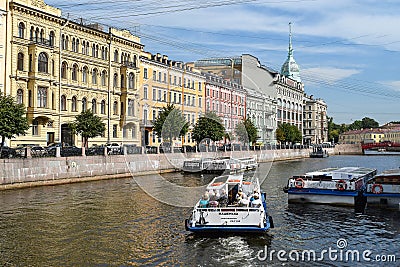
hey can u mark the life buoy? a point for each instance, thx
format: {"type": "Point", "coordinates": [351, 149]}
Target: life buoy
{"type": "Point", "coordinates": [216, 184]}
{"type": "Point", "coordinates": [299, 183]}
{"type": "Point", "coordinates": [341, 185]}
{"type": "Point", "coordinates": [375, 186]}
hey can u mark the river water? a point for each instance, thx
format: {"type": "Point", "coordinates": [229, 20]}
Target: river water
{"type": "Point", "coordinates": [115, 223]}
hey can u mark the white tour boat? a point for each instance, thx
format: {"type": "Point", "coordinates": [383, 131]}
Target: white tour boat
{"type": "Point", "coordinates": [196, 164]}
{"type": "Point", "coordinates": [337, 186]}
{"type": "Point", "coordinates": [384, 189]}
{"type": "Point", "coordinates": [248, 163]}
{"type": "Point", "coordinates": [231, 203]}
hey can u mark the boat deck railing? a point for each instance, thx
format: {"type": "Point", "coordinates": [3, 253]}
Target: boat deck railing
{"type": "Point", "coordinates": [229, 209]}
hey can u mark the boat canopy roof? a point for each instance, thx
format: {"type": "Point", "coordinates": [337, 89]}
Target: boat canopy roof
{"type": "Point", "coordinates": [345, 173]}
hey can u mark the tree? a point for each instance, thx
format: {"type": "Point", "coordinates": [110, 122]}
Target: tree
{"type": "Point", "coordinates": [288, 133]}
{"type": "Point", "coordinates": [13, 121]}
{"type": "Point", "coordinates": [246, 131]}
{"type": "Point", "coordinates": [208, 126]}
{"type": "Point", "coordinates": [170, 123]}
{"type": "Point", "coordinates": [365, 123]}
{"type": "Point", "coordinates": [88, 126]}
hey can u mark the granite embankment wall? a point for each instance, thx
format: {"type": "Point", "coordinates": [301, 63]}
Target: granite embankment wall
{"type": "Point", "coordinates": [19, 173]}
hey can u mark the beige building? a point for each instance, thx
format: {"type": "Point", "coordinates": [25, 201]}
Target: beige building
{"type": "Point", "coordinates": [315, 121]}
{"type": "Point", "coordinates": [163, 82]}
{"type": "Point", "coordinates": [60, 67]}
{"type": "Point", "coordinates": [3, 45]}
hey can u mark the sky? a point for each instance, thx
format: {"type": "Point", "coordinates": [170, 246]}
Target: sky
{"type": "Point", "coordinates": [348, 51]}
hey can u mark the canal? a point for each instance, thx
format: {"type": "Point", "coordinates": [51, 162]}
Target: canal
{"type": "Point", "coordinates": [116, 223]}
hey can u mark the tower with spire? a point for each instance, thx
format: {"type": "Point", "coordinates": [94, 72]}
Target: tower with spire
{"type": "Point", "coordinates": [290, 68]}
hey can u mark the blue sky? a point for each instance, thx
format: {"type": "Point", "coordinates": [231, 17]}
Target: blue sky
{"type": "Point", "coordinates": [347, 50]}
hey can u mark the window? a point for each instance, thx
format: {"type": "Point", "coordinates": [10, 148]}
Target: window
{"type": "Point", "coordinates": [63, 102]}
{"type": "Point", "coordinates": [20, 63]}
{"type": "Point", "coordinates": [200, 87]}
{"type": "Point", "coordinates": [75, 72]}
{"type": "Point", "coordinates": [122, 81]}
{"type": "Point", "coordinates": [154, 114]}
{"type": "Point", "coordinates": [43, 63]}
{"type": "Point", "coordinates": [115, 130]}
{"type": "Point", "coordinates": [84, 104]}
{"type": "Point", "coordinates": [84, 74]}
{"type": "Point", "coordinates": [104, 78]}
{"type": "Point", "coordinates": [116, 56]}
{"type": "Point", "coordinates": [115, 80]}
{"type": "Point", "coordinates": [64, 70]}
{"type": "Point", "coordinates": [103, 107]}
{"type": "Point", "coordinates": [154, 75]}
{"type": "Point", "coordinates": [131, 107]}
{"type": "Point", "coordinates": [42, 97]}
{"type": "Point", "coordinates": [115, 108]}
{"type": "Point", "coordinates": [94, 76]}
{"type": "Point", "coordinates": [134, 131]}
{"type": "Point", "coordinates": [94, 106]}
{"type": "Point", "coordinates": [20, 96]}
{"type": "Point", "coordinates": [154, 94]}
{"type": "Point", "coordinates": [93, 50]}
{"type": "Point", "coordinates": [35, 127]}
{"type": "Point", "coordinates": [145, 92]}
{"type": "Point", "coordinates": [131, 81]}
{"type": "Point", "coordinates": [73, 103]}
{"type": "Point", "coordinates": [200, 102]}
{"type": "Point", "coordinates": [21, 30]}
{"type": "Point", "coordinates": [145, 73]}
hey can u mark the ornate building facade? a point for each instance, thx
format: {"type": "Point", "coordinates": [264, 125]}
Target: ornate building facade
{"type": "Point", "coordinates": [163, 82]}
{"type": "Point", "coordinates": [60, 68]}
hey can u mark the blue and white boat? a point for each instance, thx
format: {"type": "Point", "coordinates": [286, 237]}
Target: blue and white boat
{"type": "Point", "coordinates": [384, 189]}
{"type": "Point", "coordinates": [336, 186]}
{"type": "Point", "coordinates": [235, 204]}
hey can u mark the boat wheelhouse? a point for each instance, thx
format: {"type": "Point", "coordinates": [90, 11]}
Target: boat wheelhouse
{"type": "Point", "coordinates": [231, 203]}
{"type": "Point", "coordinates": [337, 186]}
{"type": "Point", "coordinates": [384, 189]}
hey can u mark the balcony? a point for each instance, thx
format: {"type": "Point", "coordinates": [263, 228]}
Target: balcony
{"type": "Point", "coordinates": [43, 42]}
{"type": "Point", "coordinates": [147, 123]}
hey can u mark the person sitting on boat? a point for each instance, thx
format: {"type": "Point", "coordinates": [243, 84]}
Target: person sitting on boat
{"type": "Point", "coordinates": [211, 195]}
{"type": "Point", "coordinates": [252, 196]}
{"type": "Point", "coordinates": [241, 194]}
{"type": "Point", "coordinates": [256, 202]}
{"type": "Point", "coordinates": [243, 202]}
{"type": "Point", "coordinates": [223, 199]}
{"type": "Point", "coordinates": [204, 201]}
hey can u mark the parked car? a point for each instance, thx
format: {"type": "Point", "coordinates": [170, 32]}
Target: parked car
{"type": "Point", "coordinates": [113, 148]}
{"type": "Point", "coordinates": [38, 151]}
{"type": "Point", "coordinates": [7, 152]}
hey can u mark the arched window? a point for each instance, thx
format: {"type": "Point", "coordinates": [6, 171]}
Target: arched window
{"type": "Point", "coordinates": [73, 103]}
{"type": "Point", "coordinates": [97, 51]}
{"type": "Point", "coordinates": [84, 74]}
{"type": "Point", "coordinates": [63, 42]}
{"type": "Point", "coordinates": [51, 38]}
{"type": "Point", "coordinates": [134, 131]}
{"type": "Point", "coordinates": [63, 102]}
{"type": "Point", "coordinates": [84, 104]}
{"type": "Point", "coordinates": [20, 96]}
{"type": "Point", "coordinates": [93, 50]}
{"type": "Point", "coordinates": [32, 33]}
{"type": "Point", "coordinates": [94, 76]}
{"type": "Point", "coordinates": [104, 78]}
{"type": "Point", "coordinates": [116, 56]}
{"type": "Point", "coordinates": [115, 108]}
{"type": "Point", "coordinates": [83, 47]}
{"type": "Point", "coordinates": [94, 106]}
{"type": "Point", "coordinates": [42, 97]}
{"type": "Point", "coordinates": [77, 45]}
{"type": "Point", "coordinates": [115, 81]}
{"type": "Point", "coordinates": [103, 107]}
{"type": "Point", "coordinates": [87, 48]}
{"type": "Point", "coordinates": [106, 53]}
{"type": "Point", "coordinates": [43, 63]}
{"type": "Point", "coordinates": [131, 82]}
{"type": "Point", "coordinates": [21, 30]}
{"type": "Point", "coordinates": [64, 70]}
{"type": "Point", "coordinates": [42, 36]}
{"type": "Point", "coordinates": [131, 107]}
{"type": "Point", "coordinates": [20, 63]}
{"type": "Point", "coordinates": [75, 72]}
{"type": "Point", "coordinates": [73, 45]}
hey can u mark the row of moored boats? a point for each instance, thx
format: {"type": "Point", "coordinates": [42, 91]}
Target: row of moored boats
{"type": "Point", "coordinates": [234, 202]}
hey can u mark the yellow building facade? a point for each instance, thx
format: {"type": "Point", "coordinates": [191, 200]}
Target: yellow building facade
{"type": "Point", "coordinates": [163, 82]}
{"type": "Point", "coordinates": [366, 135]}
{"type": "Point", "coordinates": [59, 68]}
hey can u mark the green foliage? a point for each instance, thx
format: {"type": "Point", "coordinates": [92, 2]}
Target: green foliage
{"type": "Point", "coordinates": [288, 133]}
{"type": "Point", "coordinates": [13, 121]}
{"type": "Point", "coordinates": [208, 126]}
{"type": "Point", "coordinates": [246, 131]}
{"type": "Point", "coordinates": [88, 126]}
{"type": "Point", "coordinates": [365, 123]}
{"type": "Point", "coordinates": [170, 123]}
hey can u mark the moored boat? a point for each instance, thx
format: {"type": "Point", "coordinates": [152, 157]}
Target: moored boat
{"type": "Point", "coordinates": [196, 164]}
{"type": "Point", "coordinates": [336, 186]}
{"type": "Point", "coordinates": [384, 189]}
{"type": "Point", "coordinates": [231, 203]}
{"type": "Point", "coordinates": [319, 152]}
{"type": "Point", "coordinates": [248, 163]}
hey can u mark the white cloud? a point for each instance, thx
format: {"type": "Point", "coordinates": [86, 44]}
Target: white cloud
{"type": "Point", "coordinates": [394, 85]}
{"type": "Point", "coordinates": [329, 75]}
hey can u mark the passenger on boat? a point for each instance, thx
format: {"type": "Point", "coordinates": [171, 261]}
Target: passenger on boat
{"type": "Point", "coordinates": [211, 195]}
{"type": "Point", "coordinates": [252, 196]}
{"type": "Point", "coordinates": [223, 199]}
{"type": "Point", "coordinates": [204, 201]}
{"type": "Point", "coordinates": [256, 202]}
